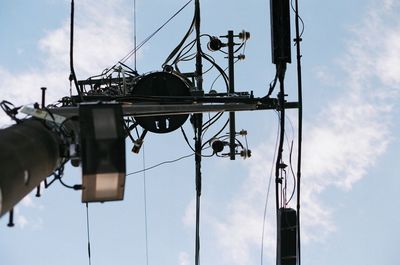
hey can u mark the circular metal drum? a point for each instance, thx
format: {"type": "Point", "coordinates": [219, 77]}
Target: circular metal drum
{"type": "Point", "coordinates": [162, 84]}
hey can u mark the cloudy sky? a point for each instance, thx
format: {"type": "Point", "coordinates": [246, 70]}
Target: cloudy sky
{"type": "Point", "coordinates": [351, 72]}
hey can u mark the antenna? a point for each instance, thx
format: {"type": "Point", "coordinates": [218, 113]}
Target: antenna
{"type": "Point", "coordinates": [72, 76]}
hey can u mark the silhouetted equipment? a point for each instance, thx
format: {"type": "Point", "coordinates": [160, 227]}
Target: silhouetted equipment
{"type": "Point", "coordinates": [102, 152]}
{"type": "Point", "coordinates": [280, 31]}
{"type": "Point", "coordinates": [218, 145]}
{"type": "Point", "coordinates": [215, 44]}
{"type": "Point", "coordinates": [287, 232]}
{"type": "Point", "coordinates": [29, 153]}
{"type": "Point", "coordinates": [137, 144]}
{"type": "Point", "coordinates": [11, 218]}
{"type": "Point", "coordinates": [244, 35]}
{"type": "Point", "coordinates": [161, 84]}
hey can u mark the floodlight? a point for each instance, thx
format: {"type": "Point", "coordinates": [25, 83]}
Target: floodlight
{"type": "Point", "coordinates": [102, 152]}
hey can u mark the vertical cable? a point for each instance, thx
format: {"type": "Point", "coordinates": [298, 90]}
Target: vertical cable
{"type": "Point", "coordinates": [281, 68]}
{"type": "Point", "coordinates": [145, 205]}
{"type": "Point", "coordinates": [134, 34]}
{"type": "Point", "coordinates": [267, 196]}
{"type": "Point", "coordinates": [281, 97]}
{"type": "Point", "coordinates": [300, 121]}
{"type": "Point", "coordinates": [88, 233]}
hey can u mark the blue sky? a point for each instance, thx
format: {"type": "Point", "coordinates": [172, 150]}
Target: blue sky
{"type": "Point", "coordinates": [351, 71]}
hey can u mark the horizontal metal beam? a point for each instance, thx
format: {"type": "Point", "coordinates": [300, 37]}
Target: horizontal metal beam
{"type": "Point", "coordinates": [147, 110]}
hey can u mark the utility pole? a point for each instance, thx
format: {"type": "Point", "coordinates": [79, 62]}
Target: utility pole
{"type": "Point", "coordinates": [198, 124]}
{"type": "Point", "coordinates": [29, 153]}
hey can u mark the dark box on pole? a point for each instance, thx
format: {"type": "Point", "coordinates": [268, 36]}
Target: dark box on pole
{"type": "Point", "coordinates": [287, 234]}
{"type": "Point", "coordinates": [280, 31]}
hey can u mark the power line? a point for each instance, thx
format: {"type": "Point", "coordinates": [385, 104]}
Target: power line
{"type": "Point", "coordinates": [160, 164]}
{"type": "Point", "coordinates": [134, 33]}
{"type": "Point", "coordinates": [267, 196]}
{"type": "Point", "coordinates": [300, 122]}
{"type": "Point", "coordinates": [145, 205]}
{"type": "Point", "coordinates": [88, 233]}
{"type": "Point", "coordinates": [132, 52]}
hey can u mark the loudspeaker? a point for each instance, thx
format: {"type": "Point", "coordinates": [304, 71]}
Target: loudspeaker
{"type": "Point", "coordinates": [287, 233]}
{"type": "Point", "coordinates": [280, 31]}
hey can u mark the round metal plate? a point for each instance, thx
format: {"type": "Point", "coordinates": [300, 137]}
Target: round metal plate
{"type": "Point", "coordinates": [161, 84]}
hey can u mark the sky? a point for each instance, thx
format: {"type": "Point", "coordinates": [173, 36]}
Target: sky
{"type": "Point", "coordinates": [351, 82]}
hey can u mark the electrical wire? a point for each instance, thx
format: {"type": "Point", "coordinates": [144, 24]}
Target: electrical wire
{"type": "Point", "coordinates": [292, 171]}
{"type": "Point", "coordinates": [75, 187]}
{"type": "Point", "coordinates": [216, 135]}
{"type": "Point", "coordinates": [133, 51]}
{"type": "Point", "coordinates": [279, 70]}
{"type": "Point", "coordinates": [211, 122]}
{"type": "Point", "coordinates": [88, 233]}
{"type": "Point", "coordinates": [215, 80]}
{"type": "Point", "coordinates": [221, 71]}
{"type": "Point", "coordinates": [188, 143]}
{"type": "Point", "coordinates": [267, 196]}
{"type": "Point", "coordinates": [134, 33]}
{"type": "Point", "coordinates": [299, 17]}
{"type": "Point", "coordinates": [160, 164]}
{"type": "Point", "coordinates": [279, 163]}
{"type": "Point", "coordinates": [179, 46]}
{"type": "Point", "coordinates": [145, 205]}
{"type": "Point", "coordinates": [186, 139]}
{"type": "Point", "coordinates": [290, 147]}
{"type": "Point", "coordinates": [300, 124]}
{"type": "Point", "coordinates": [10, 110]}
{"type": "Point", "coordinates": [181, 55]}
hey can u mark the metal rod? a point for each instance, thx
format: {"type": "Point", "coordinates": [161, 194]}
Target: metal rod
{"type": "Point", "coordinates": [11, 218]}
{"type": "Point", "coordinates": [43, 97]}
{"type": "Point", "coordinates": [71, 52]}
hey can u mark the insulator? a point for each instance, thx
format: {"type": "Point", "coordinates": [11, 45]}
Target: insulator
{"type": "Point", "coordinates": [244, 35]}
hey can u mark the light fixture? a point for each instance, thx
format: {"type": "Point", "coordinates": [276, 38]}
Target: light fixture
{"type": "Point", "coordinates": [215, 44]}
{"type": "Point", "coordinates": [102, 152]}
{"type": "Point", "coordinates": [218, 145]}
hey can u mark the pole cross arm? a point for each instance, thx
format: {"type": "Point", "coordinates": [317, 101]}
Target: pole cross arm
{"type": "Point", "coordinates": [151, 109]}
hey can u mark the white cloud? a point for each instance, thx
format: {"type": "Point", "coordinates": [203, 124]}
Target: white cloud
{"type": "Point", "coordinates": [21, 221]}
{"type": "Point", "coordinates": [102, 37]}
{"type": "Point", "coordinates": [340, 145]}
{"type": "Point", "coordinates": [239, 235]}
{"type": "Point", "coordinates": [184, 258]}
{"type": "Point", "coordinates": [28, 201]}
{"type": "Point", "coordinates": [189, 218]}
{"type": "Point", "coordinates": [31, 222]}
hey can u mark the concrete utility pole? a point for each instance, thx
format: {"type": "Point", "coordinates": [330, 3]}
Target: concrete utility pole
{"type": "Point", "coordinates": [29, 153]}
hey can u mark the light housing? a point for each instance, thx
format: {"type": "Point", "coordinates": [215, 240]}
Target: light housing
{"type": "Point", "coordinates": [102, 152]}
